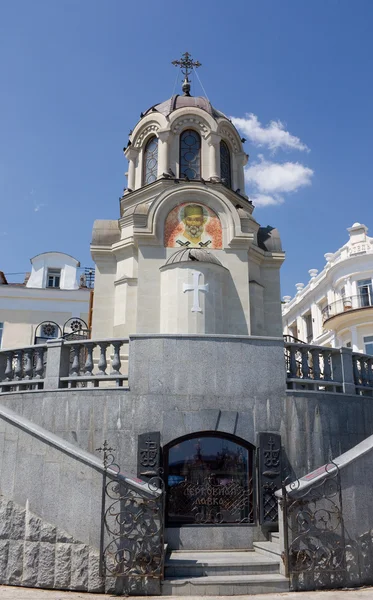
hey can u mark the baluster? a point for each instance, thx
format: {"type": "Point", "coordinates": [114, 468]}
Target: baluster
{"type": "Point", "coordinates": [28, 364]}
{"type": "Point", "coordinates": [9, 367]}
{"type": "Point", "coordinates": [102, 363]}
{"type": "Point", "coordinates": [305, 365]}
{"type": "Point", "coordinates": [75, 365]}
{"type": "Point", "coordinates": [115, 363]}
{"type": "Point", "coordinates": [19, 367]}
{"type": "Point", "coordinates": [370, 371]}
{"type": "Point", "coordinates": [316, 363]}
{"type": "Point", "coordinates": [356, 370]}
{"type": "Point", "coordinates": [327, 370]}
{"type": "Point", "coordinates": [39, 367]}
{"type": "Point", "coordinates": [293, 361]}
{"type": "Point", "coordinates": [88, 366]}
{"type": "Point", "coordinates": [363, 369]}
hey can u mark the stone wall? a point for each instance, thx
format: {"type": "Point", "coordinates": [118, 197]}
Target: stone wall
{"type": "Point", "coordinates": [34, 553]}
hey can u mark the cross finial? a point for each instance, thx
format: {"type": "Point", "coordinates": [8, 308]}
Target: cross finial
{"type": "Point", "coordinates": [186, 64]}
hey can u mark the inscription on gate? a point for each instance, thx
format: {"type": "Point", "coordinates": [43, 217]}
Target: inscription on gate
{"type": "Point", "coordinates": [209, 503]}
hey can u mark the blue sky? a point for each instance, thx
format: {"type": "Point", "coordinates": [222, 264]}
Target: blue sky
{"type": "Point", "coordinates": [76, 74]}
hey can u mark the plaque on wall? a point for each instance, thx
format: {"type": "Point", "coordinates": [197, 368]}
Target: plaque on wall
{"type": "Point", "coordinates": [148, 454]}
{"type": "Point", "coordinates": [270, 476]}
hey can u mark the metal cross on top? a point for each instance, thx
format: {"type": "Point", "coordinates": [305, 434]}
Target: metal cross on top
{"type": "Point", "coordinates": [186, 64]}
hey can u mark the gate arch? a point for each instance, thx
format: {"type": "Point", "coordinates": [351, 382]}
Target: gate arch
{"type": "Point", "coordinates": [209, 479]}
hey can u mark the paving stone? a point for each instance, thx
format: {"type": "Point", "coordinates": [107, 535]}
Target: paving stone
{"type": "Point", "coordinates": [4, 549]}
{"type": "Point", "coordinates": [79, 567]}
{"type": "Point", "coordinates": [95, 582]}
{"type": "Point", "coordinates": [30, 563]}
{"type": "Point", "coordinates": [15, 562]}
{"type": "Point", "coordinates": [46, 564]}
{"type": "Point", "coordinates": [48, 533]}
{"type": "Point", "coordinates": [17, 527]}
{"type": "Point", "coordinates": [62, 572]}
{"type": "Point", "coordinates": [6, 509]}
{"type": "Point", "coordinates": [32, 527]}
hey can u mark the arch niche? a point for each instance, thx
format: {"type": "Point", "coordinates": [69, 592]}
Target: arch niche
{"type": "Point", "coordinates": [209, 480]}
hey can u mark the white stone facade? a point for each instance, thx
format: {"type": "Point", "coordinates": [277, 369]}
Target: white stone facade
{"type": "Point", "coordinates": [135, 292]}
{"type": "Point", "coordinates": [335, 308]}
{"type": "Point", "coordinates": [23, 306]}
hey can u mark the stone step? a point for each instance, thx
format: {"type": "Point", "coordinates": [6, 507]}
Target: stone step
{"type": "Point", "coordinates": [274, 537]}
{"type": "Point", "coordinates": [201, 564]}
{"type": "Point", "coordinates": [269, 549]}
{"type": "Point", "coordinates": [226, 585]}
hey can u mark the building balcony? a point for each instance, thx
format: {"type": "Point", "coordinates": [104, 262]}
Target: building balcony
{"type": "Point", "coordinates": [341, 309]}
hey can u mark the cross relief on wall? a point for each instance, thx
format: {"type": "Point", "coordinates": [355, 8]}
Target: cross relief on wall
{"type": "Point", "coordinates": [195, 288]}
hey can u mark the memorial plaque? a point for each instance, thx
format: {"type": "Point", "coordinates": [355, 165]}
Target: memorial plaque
{"type": "Point", "coordinates": [270, 476]}
{"type": "Point", "coordinates": [148, 454]}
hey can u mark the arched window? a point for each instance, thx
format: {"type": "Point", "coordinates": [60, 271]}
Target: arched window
{"type": "Point", "coordinates": [225, 164]}
{"type": "Point", "coordinates": [150, 171]}
{"type": "Point", "coordinates": [209, 479]}
{"type": "Point", "coordinates": [190, 154]}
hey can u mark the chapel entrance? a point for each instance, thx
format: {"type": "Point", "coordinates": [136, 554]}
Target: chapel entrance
{"type": "Point", "coordinates": [209, 479]}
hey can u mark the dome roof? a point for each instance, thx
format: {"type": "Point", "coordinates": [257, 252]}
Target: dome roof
{"type": "Point", "coordinates": [193, 254]}
{"type": "Point", "coordinates": [176, 102]}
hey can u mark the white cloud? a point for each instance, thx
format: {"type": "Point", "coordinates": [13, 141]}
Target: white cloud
{"type": "Point", "coordinates": [266, 200]}
{"type": "Point", "coordinates": [269, 180]}
{"type": "Point", "coordinates": [273, 135]}
{"type": "Point", "coordinates": [38, 207]}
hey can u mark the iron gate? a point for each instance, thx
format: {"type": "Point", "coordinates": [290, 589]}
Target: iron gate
{"type": "Point", "coordinates": [132, 530]}
{"type": "Point", "coordinates": [314, 532]}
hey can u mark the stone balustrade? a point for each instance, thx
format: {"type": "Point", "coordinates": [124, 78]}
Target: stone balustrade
{"type": "Point", "coordinates": [23, 368]}
{"type": "Point", "coordinates": [65, 364]}
{"type": "Point", "coordinates": [104, 363]}
{"type": "Point", "coordinates": [320, 368]}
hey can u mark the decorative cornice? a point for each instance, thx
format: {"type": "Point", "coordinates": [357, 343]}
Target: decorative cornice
{"type": "Point", "coordinates": [152, 128]}
{"type": "Point", "coordinates": [194, 122]}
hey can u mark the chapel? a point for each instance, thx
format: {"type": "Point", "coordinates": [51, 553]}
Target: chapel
{"type": "Point", "coordinates": [186, 254]}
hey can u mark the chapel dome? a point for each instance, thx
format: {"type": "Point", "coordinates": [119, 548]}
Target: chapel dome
{"type": "Point", "coordinates": [177, 101]}
{"type": "Point", "coordinates": [193, 254]}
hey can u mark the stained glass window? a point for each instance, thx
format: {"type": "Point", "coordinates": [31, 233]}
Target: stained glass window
{"type": "Point", "coordinates": [151, 160]}
{"type": "Point", "coordinates": [190, 154]}
{"type": "Point", "coordinates": [225, 164]}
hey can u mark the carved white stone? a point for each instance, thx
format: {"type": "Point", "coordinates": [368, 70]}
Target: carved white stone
{"type": "Point", "coordinates": [195, 288]}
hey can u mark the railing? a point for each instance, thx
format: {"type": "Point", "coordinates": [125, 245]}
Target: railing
{"type": "Point", "coordinates": [313, 367]}
{"type": "Point", "coordinates": [363, 373]}
{"type": "Point", "coordinates": [88, 370]}
{"type": "Point", "coordinates": [23, 368]}
{"type": "Point", "coordinates": [65, 364]}
{"type": "Point", "coordinates": [346, 304]}
{"type": "Point", "coordinates": [104, 363]}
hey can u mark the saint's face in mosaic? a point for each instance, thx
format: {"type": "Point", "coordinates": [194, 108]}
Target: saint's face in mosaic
{"type": "Point", "coordinates": [193, 226]}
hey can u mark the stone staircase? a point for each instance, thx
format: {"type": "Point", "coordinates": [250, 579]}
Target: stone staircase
{"type": "Point", "coordinates": [225, 573]}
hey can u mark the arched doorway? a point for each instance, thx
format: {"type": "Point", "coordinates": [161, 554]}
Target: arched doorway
{"type": "Point", "coordinates": [209, 480]}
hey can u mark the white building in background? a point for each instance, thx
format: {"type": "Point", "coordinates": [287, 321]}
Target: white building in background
{"type": "Point", "coordinates": [335, 308]}
{"type": "Point", "coordinates": [39, 308]}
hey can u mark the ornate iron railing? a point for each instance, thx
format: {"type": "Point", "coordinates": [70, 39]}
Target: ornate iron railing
{"type": "Point", "coordinates": [315, 541]}
{"type": "Point", "coordinates": [132, 534]}
{"type": "Point", "coordinates": [346, 304]}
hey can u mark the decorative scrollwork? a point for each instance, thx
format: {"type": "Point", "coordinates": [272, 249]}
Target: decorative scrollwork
{"type": "Point", "coordinates": [133, 516]}
{"type": "Point", "coordinates": [315, 532]}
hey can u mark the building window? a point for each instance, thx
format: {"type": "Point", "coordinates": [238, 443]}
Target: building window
{"type": "Point", "coordinates": [368, 343]}
{"type": "Point", "coordinates": [365, 292]}
{"type": "Point", "coordinates": [1, 332]}
{"type": "Point", "coordinates": [309, 331]}
{"type": "Point", "coordinates": [53, 278]}
{"type": "Point", "coordinates": [225, 164]}
{"type": "Point", "coordinates": [151, 161]}
{"type": "Point", "coordinates": [190, 154]}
